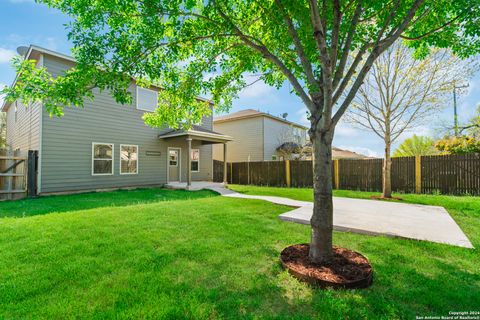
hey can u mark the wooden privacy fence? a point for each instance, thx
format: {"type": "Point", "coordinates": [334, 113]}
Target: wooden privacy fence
{"type": "Point", "coordinates": [452, 174]}
{"type": "Point", "coordinates": [18, 174]}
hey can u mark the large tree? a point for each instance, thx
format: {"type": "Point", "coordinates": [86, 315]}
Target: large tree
{"type": "Point", "coordinates": [401, 92]}
{"type": "Point", "coordinates": [325, 49]}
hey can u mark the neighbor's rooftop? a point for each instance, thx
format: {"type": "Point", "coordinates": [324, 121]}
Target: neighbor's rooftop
{"type": "Point", "coordinates": [251, 113]}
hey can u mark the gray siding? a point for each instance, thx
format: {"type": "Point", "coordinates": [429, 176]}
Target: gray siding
{"type": "Point", "coordinates": [248, 140]}
{"type": "Point", "coordinates": [66, 152]}
{"type": "Point", "coordinates": [23, 130]}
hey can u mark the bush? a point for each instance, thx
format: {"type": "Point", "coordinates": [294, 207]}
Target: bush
{"type": "Point", "coordinates": [458, 145]}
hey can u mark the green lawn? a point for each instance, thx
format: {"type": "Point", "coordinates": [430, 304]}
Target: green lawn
{"type": "Point", "coordinates": [135, 254]}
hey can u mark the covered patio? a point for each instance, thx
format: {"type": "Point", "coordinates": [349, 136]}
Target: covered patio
{"type": "Point", "coordinates": [199, 136]}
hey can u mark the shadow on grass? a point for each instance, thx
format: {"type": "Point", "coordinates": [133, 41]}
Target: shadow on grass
{"type": "Point", "coordinates": [92, 200]}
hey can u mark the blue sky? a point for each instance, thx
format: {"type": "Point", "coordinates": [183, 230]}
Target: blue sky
{"type": "Point", "coordinates": [24, 22]}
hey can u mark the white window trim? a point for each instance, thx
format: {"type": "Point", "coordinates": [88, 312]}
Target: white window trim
{"type": "Point", "coordinates": [120, 156]}
{"type": "Point", "coordinates": [93, 159]}
{"type": "Point", "coordinates": [196, 161]}
{"type": "Point", "coordinates": [136, 98]}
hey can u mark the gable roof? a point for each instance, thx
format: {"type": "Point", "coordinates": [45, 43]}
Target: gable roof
{"type": "Point", "coordinates": [34, 51]}
{"type": "Point", "coordinates": [250, 113]}
{"type": "Point", "coordinates": [195, 131]}
{"type": "Point", "coordinates": [338, 153]}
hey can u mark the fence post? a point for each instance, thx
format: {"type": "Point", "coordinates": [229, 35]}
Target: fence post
{"type": "Point", "coordinates": [9, 179]}
{"type": "Point", "coordinates": [336, 173]}
{"type": "Point", "coordinates": [418, 174]}
{"type": "Point", "coordinates": [32, 173]}
{"type": "Point", "coordinates": [288, 176]}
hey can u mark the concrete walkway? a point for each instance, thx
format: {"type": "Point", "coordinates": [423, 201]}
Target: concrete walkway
{"type": "Point", "coordinates": [412, 221]}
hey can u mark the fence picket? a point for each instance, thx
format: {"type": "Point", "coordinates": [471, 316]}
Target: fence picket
{"type": "Point", "coordinates": [446, 174]}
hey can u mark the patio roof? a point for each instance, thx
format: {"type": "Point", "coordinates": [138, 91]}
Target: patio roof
{"type": "Point", "coordinates": [197, 133]}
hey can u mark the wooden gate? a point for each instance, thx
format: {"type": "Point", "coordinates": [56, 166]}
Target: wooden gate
{"type": "Point", "coordinates": [18, 174]}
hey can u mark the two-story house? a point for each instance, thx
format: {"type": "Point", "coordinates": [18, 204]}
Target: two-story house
{"type": "Point", "coordinates": [256, 135]}
{"type": "Point", "coordinates": [107, 145]}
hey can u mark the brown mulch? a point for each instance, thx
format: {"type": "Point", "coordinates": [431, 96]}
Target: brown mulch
{"type": "Point", "coordinates": [383, 198]}
{"type": "Point", "coordinates": [347, 268]}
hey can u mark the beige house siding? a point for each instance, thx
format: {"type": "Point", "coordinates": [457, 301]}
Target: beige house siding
{"type": "Point", "coordinates": [258, 137]}
{"type": "Point", "coordinates": [275, 132]}
{"type": "Point", "coordinates": [247, 140]}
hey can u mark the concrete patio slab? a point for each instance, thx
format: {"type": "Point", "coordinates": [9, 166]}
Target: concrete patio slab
{"type": "Point", "coordinates": [412, 221]}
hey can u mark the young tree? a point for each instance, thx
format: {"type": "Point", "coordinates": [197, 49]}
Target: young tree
{"type": "Point", "coordinates": [400, 92]}
{"type": "Point", "coordinates": [291, 141]}
{"type": "Point", "coordinates": [472, 127]}
{"type": "Point", "coordinates": [416, 146]}
{"type": "Point", "coordinates": [325, 49]}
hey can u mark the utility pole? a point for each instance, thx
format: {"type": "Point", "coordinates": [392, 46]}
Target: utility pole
{"type": "Point", "coordinates": [455, 115]}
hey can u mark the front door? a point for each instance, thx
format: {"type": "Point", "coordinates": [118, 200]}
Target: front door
{"type": "Point", "coordinates": [173, 164]}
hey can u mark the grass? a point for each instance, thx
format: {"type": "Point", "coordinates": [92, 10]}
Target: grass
{"type": "Point", "coordinates": [92, 200]}
{"type": "Point", "coordinates": [132, 254]}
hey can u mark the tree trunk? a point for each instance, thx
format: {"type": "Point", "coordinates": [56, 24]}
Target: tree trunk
{"type": "Point", "coordinates": [322, 218]}
{"type": "Point", "coordinates": [387, 172]}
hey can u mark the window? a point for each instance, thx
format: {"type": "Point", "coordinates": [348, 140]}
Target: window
{"type": "Point", "coordinates": [102, 158]}
{"type": "Point", "coordinates": [195, 160]}
{"type": "Point", "coordinates": [173, 157]}
{"type": "Point", "coordinates": [147, 100]}
{"type": "Point", "coordinates": [128, 159]}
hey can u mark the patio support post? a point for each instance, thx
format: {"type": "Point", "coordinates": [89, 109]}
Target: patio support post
{"type": "Point", "coordinates": [189, 162]}
{"type": "Point", "coordinates": [225, 163]}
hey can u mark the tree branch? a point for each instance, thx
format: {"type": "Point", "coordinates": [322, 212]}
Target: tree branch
{"type": "Point", "coordinates": [346, 47]}
{"type": "Point", "coordinates": [307, 65]}
{"type": "Point", "coordinates": [271, 57]}
{"type": "Point", "coordinates": [377, 50]}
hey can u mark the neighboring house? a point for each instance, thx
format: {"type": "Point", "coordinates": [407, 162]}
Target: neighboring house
{"type": "Point", "coordinates": [256, 135]}
{"type": "Point", "coordinates": [107, 145]}
{"type": "Point", "coordinates": [337, 153]}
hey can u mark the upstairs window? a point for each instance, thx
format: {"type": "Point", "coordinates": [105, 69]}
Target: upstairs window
{"type": "Point", "coordinates": [195, 160]}
{"type": "Point", "coordinates": [128, 159]}
{"type": "Point", "coordinates": [147, 99]}
{"type": "Point", "coordinates": [102, 159]}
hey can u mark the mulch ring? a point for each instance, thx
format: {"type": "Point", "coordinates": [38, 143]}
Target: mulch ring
{"type": "Point", "coordinates": [347, 269]}
{"type": "Point", "coordinates": [388, 199]}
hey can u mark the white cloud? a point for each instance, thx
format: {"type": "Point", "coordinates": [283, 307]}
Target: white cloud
{"type": "Point", "coordinates": [419, 131]}
{"type": "Point", "coordinates": [362, 150]}
{"type": "Point", "coordinates": [303, 118]}
{"type": "Point", "coordinates": [6, 55]}
{"type": "Point", "coordinates": [346, 130]}
{"type": "Point", "coordinates": [257, 90]}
